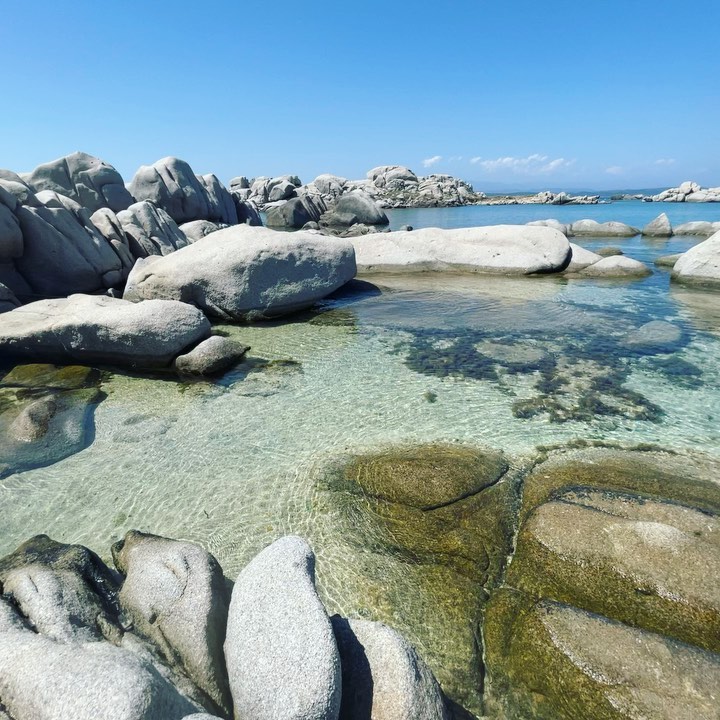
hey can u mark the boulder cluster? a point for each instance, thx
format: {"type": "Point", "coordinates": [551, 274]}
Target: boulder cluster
{"type": "Point", "coordinates": [165, 636]}
{"type": "Point", "coordinates": [686, 192]}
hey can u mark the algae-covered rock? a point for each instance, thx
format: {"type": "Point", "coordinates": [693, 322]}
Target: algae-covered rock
{"type": "Point", "coordinates": [45, 414]}
{"type": "Point", "coordinates": [549, 661]}
{"type": "Point", "coordinates": [641, 561]}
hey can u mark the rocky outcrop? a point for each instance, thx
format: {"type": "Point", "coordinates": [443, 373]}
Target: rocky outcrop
{"type": "Point", "coordinates": [245, 272]}
{"type": "Point", "coordinates": [686, 192]}
{"type": "Point", "coordinates": [659, 227]}
{"type": "Point", "coordinates": [172, 186]}
{"type": "Point", "coordinates": [282, 659]}
{"type": "Point", "coordinates": [700, 264]}
{"type": "Point", "coordinates": [175, 594]}
{"type": "Point", "coordinates": [592, 228]}
{"type": "Point", "coordinates": [352, 209]}
{"type": "Point", "coordinates": [86, 328]}
{"type": "Point", "coordinates": [383, 676]}
{"type": "Point", "coordinates": [89, 181]}
{"type": "Point", "coordinates": [500, 249]}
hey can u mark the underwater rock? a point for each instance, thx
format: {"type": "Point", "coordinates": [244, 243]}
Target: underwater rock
{"type": "Point", "coordinates": [211, 356]}
{"type": "Point", "coordinates": [654, 336]}
{"type": "Point", "coordinates": [175, 594]}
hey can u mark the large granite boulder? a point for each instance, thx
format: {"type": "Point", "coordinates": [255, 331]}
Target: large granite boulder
{"type": "Point", "coordinates": [171, 185]}
{"type": "Point", "coordinates": [697, 227]}
{"type": "Point", "coordinates": [385, 175]}
{"type": "Point", "coordinates": [617, 266]}
{"type": "Point", "coordinates": [659, 227]}
{"type": "Point", "coordinates": [87, 328]}
{"type": "Point", "coordinates": [295, 213]}
{"type": "Point", "coordinates": [282, 658]}
{"type": "Point", "coordinates": [500, 249]}
{"type": "Point", "coordinates": [564, 228]}
{"type": "Point", "coordinates": [245, 272]}
{"type": "Point", "coordinates": [63, 251]}
{"type": "Point", "coordinates": [353, 208]}
{"type": "Point", "coordinates": [150, 230]}
{"type": "Point", "coordinates": [592, 228]}
{"type": "Point", "coordinates": [107, 223]}
{"type": "Point", "coordinates": [175, 594]}
{"type": "Point", "coordinates": [197, 229]}
{"type": "Point", "coordinates": [11, 239]}
{"type": "Point", "coordinates": [383, 676]}
{"type": "Point", "coordinates": [700, 264]}
{"type": "Point", "coordinates": [581, 258]}
{"type": "Point", "coordinates": [86, 179]}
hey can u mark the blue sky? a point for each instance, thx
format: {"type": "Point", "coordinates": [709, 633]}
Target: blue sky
{"type": "Point", "coordinates": [525, 94]}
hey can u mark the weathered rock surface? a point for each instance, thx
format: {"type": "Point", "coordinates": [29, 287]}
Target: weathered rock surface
{"type": "Point", "coordinates": [382, 675]}
{"type": "Point", "coordinates": [581, 258]}
{"type": "Point", "coordinates": [659, 227]}
{"type": "Point", "coordinates": [282, 658]}
{"type": "Point", "coordinates": [150, 230]}
{"type": "Point", "coordinates": [107, 223]}
{"type": "Point", "coordinates": [175, 594]}
{"type": "Point", "coordinates": [86, 328]}
{"type": "Point", "coordinates": [354, 208]}
{"type": "Point", "coordinates": [171, 184]}
{"type": "Point", "coordinates": [616, 266]}
{"type": "Point", "coordinates": [700, 264]}
{"type": "Point", "coordinates": [698, 227]}
{"type": "Point", "coordinates": [592, 228]}
{"type": "Point", "coordinates": [500, 249]}
{"type": "Point", "coordinates": [688, 191]}
{"type": "Point", "coordinates": [247, 272]}
{"type": "Point", "coordinates": [564, 228]}
{"type": "Point", "coordinates": [8, 301]}
{"type": "Point", "coordinates": [87, 180]}
{"type": "Point", "coordinates": [668, 261]}
{"type": "Point", "coordinates": [198, 229]}
{"type": "Point", "coordinates": [295, 213]}
{"type": "Point", "coordinates": [211, 356]}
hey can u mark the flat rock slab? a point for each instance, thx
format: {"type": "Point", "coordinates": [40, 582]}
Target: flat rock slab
{"type": "Point", "coordinates": [282, 658]}
{"type": "Point", "coordinates": [499, 249]}
{"type": "Point", "coordinates": [89, 328]}
{"type": "Point", "coordinates": [245, 272]}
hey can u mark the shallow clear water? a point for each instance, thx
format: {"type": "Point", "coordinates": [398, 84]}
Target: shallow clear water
{"type": "Point", "coordinates": [235, 464]}
{"type": "Point", "coordinates": [632, 212]}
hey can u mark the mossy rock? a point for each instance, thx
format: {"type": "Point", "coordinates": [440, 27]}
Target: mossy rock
{"type": "Point", "coordinates": [648, 563]}
{"type": "Point", "coordinates": [690, 479]}
{"type": "Point", "coordinates": [41, 375]}
{"type": "Point", "coordinates": [426, 476]}
{"type": "Point", "coordinates": [549, 661]}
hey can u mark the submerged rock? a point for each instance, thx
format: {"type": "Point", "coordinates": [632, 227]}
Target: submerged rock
{"type": "Point", "coordinates": [282, 659]}
{"type": "Point", "coordinates": [617, 266]}
{"type": "Point", "coordinates": [244, 273]}
{"type": "Point", "coordinates": [88, 328]}
{"type": "Point", "coordinates": [211, 356]}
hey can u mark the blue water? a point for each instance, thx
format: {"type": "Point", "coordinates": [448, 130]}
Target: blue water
{"type": "Point", "coordinates": [632, 212]}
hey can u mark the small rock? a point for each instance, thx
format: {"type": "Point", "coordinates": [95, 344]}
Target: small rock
{"type": "Point", "coordinates": [211, 356]}
{"type": "Point", "coordinates": [659, 227]}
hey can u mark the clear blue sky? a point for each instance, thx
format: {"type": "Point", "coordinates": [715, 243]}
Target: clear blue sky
{"type": "Point", "coordinates": [603, 94]}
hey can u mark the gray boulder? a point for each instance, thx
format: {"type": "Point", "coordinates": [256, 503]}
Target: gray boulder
{"type": "Point", "coordinates": [150, 230]}
{"type": "Point", "coordinates": [668, 261]}
{"type": "Point", "coordinates": [581, 258]}
{"type": "Point", "coordinates": [63, 251]}
{"type": "Point", "coordinates": [700, 264]}
{"type": "Point", "coordinates": [659, 227]}
{"type": "Point", "coordinates": [221, 207]}
{"type": "Point", "coordinates": [175, 594]}
{"type": "Point", "coordinates": [383, 676]}
{"type": "Point", "coordinates": [499, 249]}
{"type": "Point", "coordinates": [355, 207]}
{"type": "Point", "coordinates": [41, 679]}
{"type": "Point", "coordinates": [197, 229]}
{"type": "Point", "coordinates": [111, 229]}
{"type": "Point", "coordinates": [616, 266]}
{"type": "Point", "coordinates": [211, 356]}
{"type": "Point", "coordinates": [564, 228]}
{"type": "Point", "coordinates": [86, 328]}
{"type": "Point", "coordinates": [11, 239]}
{"type": "Point", "coordinates": [698, 227]}
{"type": "Point", "coordinates": [246, 210]}
{"type": "Point", "coordinates": [295, 213]}
{"type": "Point", "coordinates": [384, 175]}
{"type": "Point", "coordinates": [246, 272]}
{"type": "Point", "coordinates": [282, 659]}
{"type": "Point", "coordinates": [592, 228]}
{"type": "Point", "coordinates": [83, 178]}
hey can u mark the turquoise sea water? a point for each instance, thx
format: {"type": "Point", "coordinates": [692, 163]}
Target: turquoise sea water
{"type": "Point", "coordinates": [507, 363]}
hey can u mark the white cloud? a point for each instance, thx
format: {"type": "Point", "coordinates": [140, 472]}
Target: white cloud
{"type": "Point", "coordinates": [534, 164]}
{"type": "Point", "coordinates": [614, 170]}
{"type": "Point", "coordinates": [434, 160]}
{"type": "Point", "coordinates": [665, 161]}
